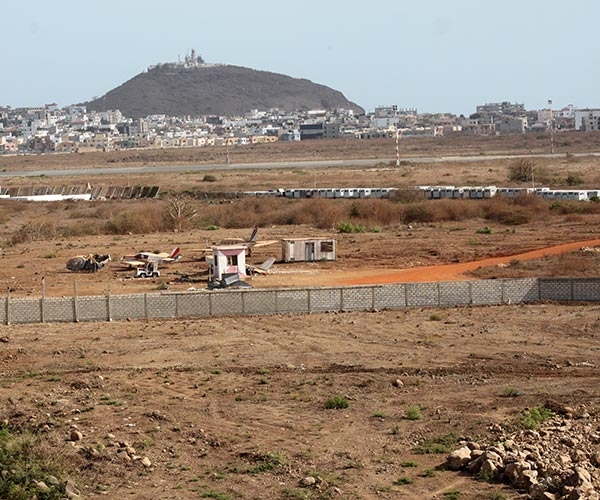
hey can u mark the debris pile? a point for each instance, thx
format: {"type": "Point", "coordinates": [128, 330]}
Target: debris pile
{"type": "Point", "coordinates": [559, 460]}
{"type": "Point", "coordinates": [91, 262]}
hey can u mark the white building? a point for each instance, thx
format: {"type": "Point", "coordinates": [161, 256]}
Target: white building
{"type": "Point", "coordinates": [587, 119]}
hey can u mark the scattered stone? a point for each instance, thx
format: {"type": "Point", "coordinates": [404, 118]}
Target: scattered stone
{"type": "Point", "coordinates": [75, 435]}
{"type": "Point", "coordinates": [71, 490]}
{"type": "Point", "coordinates": [42, 487]}
{"type": "Point", "coordinates": [146, 462]}
{"type": "Point", "coordinates": [308, 481]}
{"type": "Point", "coordinates": [542, 463]}
{"type": "Point", "coordinates": [459, 458]}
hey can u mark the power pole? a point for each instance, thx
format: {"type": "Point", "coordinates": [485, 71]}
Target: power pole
{"type": "Point", "coordinates": [397, 146]}
{"type": "Point", "coordinates": [551, 127]}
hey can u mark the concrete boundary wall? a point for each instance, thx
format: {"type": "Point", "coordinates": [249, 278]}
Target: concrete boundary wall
{"type": "Point", "coordinates": [205, 303]}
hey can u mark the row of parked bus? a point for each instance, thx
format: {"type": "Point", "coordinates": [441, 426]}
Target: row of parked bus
{"type": "Point", "coordinates": [327, 192]}
{"type": "Point", "coordinates": [433, 192]}
{"type": "Point", "coordinates": [483, 192]}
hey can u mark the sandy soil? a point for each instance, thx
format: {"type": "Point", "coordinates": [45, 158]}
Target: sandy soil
{"type": "Point", "coordinates": [234, 407]}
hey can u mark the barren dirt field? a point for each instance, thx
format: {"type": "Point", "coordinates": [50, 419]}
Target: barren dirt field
{"type": "Point", "coordinates": [237, 407]}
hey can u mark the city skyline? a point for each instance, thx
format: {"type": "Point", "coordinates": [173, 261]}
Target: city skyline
{"type": "Point", "coordinates": [435, 57]}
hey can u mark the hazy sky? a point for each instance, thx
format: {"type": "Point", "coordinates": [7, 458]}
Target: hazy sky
{"type": "Point", "coordinates": [433, 55]}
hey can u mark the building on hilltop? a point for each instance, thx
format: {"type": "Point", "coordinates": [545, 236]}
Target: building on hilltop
{"type": "Point", "coordinates": [192, 60]}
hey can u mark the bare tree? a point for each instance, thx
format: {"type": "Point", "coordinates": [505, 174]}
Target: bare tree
{"type": "Point", "coordinates": [181, 211]}
{"type": "Point", "coordinates": [522, 170]}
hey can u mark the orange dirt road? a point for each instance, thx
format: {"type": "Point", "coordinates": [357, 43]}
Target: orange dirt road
{"type": "Point", "coordinates": [454, 272]}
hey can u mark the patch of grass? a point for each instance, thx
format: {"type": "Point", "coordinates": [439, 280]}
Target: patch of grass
{"type": "Point", "coordinates": [409, 463]}
{"type": "Point", "coordinates": [29, 463]}
{"type": "Point", "coordinates": [440, 444]}
{"type": "Point", "coordinates": [403, 480]}
{"type": "Point", "coordinates": [337, 403]}
{"type": "Point", "coordinates": [295, 494]}
{"type": "Point", "coordinates": [531, 418]}
{"type": "Point", "coordinates": [429, 473]}
{"type": "Point", "coordinates": [379, 414]}
{"type": "Point", "coordinates": [413, 412]}
{"type": "Point", "coordinates": [511, 392]}
{"type": "Point", "coordinates": [107, 399]}
{"type": "Point", "coordinates": [264, 462]}
{"type": "Point", "coordinates": [435, 317]}
{"type": "Point", "coordinates": [451, 495]}
{"type": "Point", "coordinates": [216, 495]}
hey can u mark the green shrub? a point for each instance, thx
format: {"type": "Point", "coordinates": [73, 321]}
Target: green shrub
{"type": "Point", "coordinates": [574, 180]}
{"type": "Point", "coordinates": [266, 462]}
{"type": "Point", "coordinates": [337, 403]}
{"type": "Point", "coordinates": [409, 463]}
{"type": "Point", "coordinates": [216, 495]}
{"type": "Point", "coordinates": [440, 444]}
{"type": "Point", "coordinates": [349, 227]}
{"type": "Point", "coordinates": [531, 418]}
{"type": "Point", "coordinates": [29, 463]}
{"type": "Point", "coordinates": [511, 392]}
{"type": "Point", "coordinates": [413, 412]}
{"type": "Point", "coordinates": [451, 495]}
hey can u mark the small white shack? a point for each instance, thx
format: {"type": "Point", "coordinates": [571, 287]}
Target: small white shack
{"type": "Point", "coordinates": [227, 259]}
{"type": "Point", "coordinates": [307, 249]}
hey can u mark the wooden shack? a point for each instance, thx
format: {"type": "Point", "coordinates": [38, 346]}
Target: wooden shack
{"type": "Point", "coordinates": [307, 249]}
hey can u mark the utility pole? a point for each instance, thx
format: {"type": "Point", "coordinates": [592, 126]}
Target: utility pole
{"type": "Point", "coordinates": [551, 127]}
{"type": "Point", "coordinates": [397, 147]}
{"type": "Point", "coordinates": [227, 135]}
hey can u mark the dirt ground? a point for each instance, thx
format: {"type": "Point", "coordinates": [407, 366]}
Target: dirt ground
{"type": "Point", "coordinates": [235, 407]}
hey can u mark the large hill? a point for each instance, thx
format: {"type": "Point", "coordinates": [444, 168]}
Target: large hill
{"type": "Point", "coordinates": [216, 90]}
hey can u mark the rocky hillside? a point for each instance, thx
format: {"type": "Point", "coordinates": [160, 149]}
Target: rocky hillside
{"type": "Point", "coordinates": [216, 90]}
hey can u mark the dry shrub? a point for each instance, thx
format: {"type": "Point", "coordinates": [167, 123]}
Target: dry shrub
{"type": "Point", "coordinates": [34, 231]}
{"type": "Point", "coordinates": [375, 212]}
{"type": "Point", "coordinates": [244, 212]}
{"type": "Point", "coordinates": [532, 202]}
{"type": "Point", "coordinates": [320, 213]}
{"type": "Point", "coordinates": [76, 229]}
{"type": "Point", "coordinates": [407, 196]}
{"type": "Point", "coordinates": [455, 210]}
{"type": "Point", "coordinates": [440, 210]}
{"type": "Point", "coordinates": [522, 170]}
{"type": "Point", "coordinates": [575, 264]}
{"type": "Point", "coordinates": [505, 211]}
{"type": "Point", "coordinates": [140, 218]}
{"type": "Point", "coordinates": [419, 212]}
{"type": "Point", "coordinates": [574, 207]}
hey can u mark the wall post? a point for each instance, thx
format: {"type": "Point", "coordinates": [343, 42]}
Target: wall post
{"type": "Point", "coordinates": [8, 306]}
{"type": "Point", "coordinates": [75, 304]}
{"type": "Point", "coordinates": [108, 308]}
